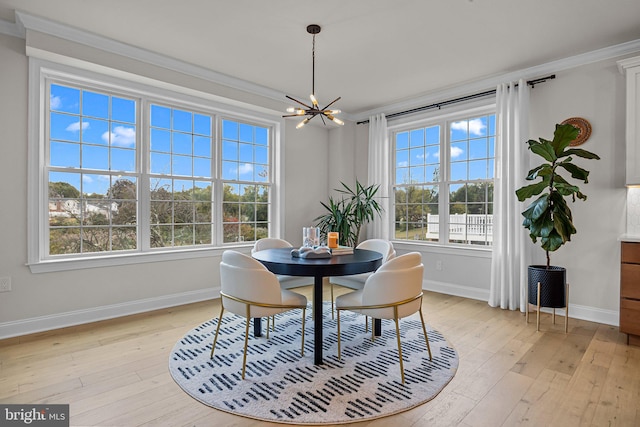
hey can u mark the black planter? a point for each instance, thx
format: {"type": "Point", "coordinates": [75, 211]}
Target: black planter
{"type": "Point", "coordinates": [552, 286]}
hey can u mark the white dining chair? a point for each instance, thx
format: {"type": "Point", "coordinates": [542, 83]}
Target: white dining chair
{"type": "Point", "coordinates": [248, 289]}
{"type": "Point", "coordinates": [394, 291]}
{"type": "Point", "coordinates": [287, 282]}
{"type": "Point", "coordinates": [356, 281]}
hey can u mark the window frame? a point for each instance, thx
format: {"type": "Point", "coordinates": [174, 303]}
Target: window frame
{"type": "Point", "coordinates": [148, 91]}
{"type": "Point", "coordinates": [443, 119]}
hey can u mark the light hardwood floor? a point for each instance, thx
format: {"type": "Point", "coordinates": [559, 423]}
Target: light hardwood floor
{"type": "Point", "coordinates": [114, 373]}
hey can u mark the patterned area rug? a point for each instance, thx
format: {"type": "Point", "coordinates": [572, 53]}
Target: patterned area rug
{"type": "Point", "coordinates": [281, 386]}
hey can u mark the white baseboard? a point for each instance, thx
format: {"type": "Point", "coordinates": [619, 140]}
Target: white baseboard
{"type": "Point", "coordinates": [78, 317]}
{"type": "Point", "coordinates": [591, 314]}
{"type": "Point", "coordinates": [457, 290]}
{"type": "Point", "coordinates": [582, 312]}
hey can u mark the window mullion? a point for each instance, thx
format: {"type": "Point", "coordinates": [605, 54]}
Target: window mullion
{"type": "Point", "coordinates": [445, 177]}
{"type": "Point", "coordinates": [144, 183]}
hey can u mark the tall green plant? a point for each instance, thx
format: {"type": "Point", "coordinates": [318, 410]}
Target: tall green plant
{"type": "Point", "coordinates": [348, 215]}
{"type": "Point", "coordinates": [549, 217]}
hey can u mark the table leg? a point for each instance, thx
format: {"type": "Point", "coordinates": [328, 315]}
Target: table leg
{"type": "Point", "coordinates": [317, 320]}
{"type": "Point", "coordinates": [257, 327]}
{"type": "Point", "coordinates": [377, 327]}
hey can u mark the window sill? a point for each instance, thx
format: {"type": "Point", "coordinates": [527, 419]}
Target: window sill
{"type": "Point", "coordinates": [428, 247]}
{"type": "Point", "coordinates": [54, 265]}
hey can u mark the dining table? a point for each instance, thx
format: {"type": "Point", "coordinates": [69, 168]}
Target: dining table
{"type": "Point", "coordinates": [281, 261]}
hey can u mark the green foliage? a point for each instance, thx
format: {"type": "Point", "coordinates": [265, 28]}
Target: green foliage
{"type": "Point", "coordinates": [63, 190]}
{"type": "Point", "coordinates": [549, 217]}
{"type": "Point", "coordinates": [350, 213]}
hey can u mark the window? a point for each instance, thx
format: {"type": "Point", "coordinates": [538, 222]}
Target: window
{"type": "Point", "coordinates": [463, 174]}
{"type": "Point", "coordinates": [245, 175]}
{"type": "Point", "coordinates": [92, 171]}
{"type": "Point", "coordinates": [125, 173]}
{"type": "Point", "coordinates": [180, 178]}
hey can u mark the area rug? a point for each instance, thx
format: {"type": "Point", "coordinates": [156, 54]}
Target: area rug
{"type": "Point", "coordinates": [281, 386]}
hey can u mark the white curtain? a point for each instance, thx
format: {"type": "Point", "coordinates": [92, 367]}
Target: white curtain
{"type": "Point", "coordinates": [379, 155]}
{"type": "Point", "coordinates": [512, 248]}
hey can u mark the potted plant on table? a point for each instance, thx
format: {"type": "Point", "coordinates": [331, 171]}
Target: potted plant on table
{"type": "Point", "coordinates": [549, 217]}
{"type": "Point", "coordinates": [350, 213]}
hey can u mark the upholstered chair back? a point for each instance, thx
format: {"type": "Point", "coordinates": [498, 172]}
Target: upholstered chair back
{"type": "Point", "coordinates": [245, 278]}
{"type": "Point", "coordinates": [398, 279]}
{"type": "Point", "coordinates": [270, 243]}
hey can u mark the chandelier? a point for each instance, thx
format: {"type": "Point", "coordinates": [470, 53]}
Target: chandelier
{"type": "Point", "coordinates": [314, 109]}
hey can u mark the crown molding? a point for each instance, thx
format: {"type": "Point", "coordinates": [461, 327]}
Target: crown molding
{"type": "Point", "coordinates": [623, 64]}
{"type": "Point", "coordinates": [11, 29]}
{"type": "Point", "coordinates": [45, 26]}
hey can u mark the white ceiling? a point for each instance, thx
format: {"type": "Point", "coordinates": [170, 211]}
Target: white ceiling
{"type": "Point", "coordinates": [370, 52]}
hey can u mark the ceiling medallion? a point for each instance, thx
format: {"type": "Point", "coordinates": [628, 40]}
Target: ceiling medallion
{"type": "Point", "coordinates": [314, 109]}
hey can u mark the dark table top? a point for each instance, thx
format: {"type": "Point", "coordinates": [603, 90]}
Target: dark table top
{"type": "Point", "coordinates": [280, 261]}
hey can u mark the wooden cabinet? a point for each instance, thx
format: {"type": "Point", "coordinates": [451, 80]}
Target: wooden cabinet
{"type": "Point", "coordinates": [630, 292]}
{"type": "Point", "coordinates": [630, 67]}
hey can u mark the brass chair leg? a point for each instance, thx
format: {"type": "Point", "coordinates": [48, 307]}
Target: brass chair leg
{"type": "Point", "coordinates": [215, 340]}
{"type": "Point", "coordinates": [338, 334]}
{"type": "Point", "coordinates": [268, 323]}
{"type": "Point", "coordinates": [304, 310]}
{"type": "Point", "coordinates": [399, 347]}
{"type": "Point", "coordinates": [246, 339]}
{"type": "Point", "coordinates": [424, 330]}
{"type": "Point", "coordinates": [332, 303]}
{"type": "Point", "coordinates": [366, 323]}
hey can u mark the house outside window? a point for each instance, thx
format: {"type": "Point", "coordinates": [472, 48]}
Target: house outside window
{"type": "Point", "coordinates": [443, 180]}
{"type": "Point", "coordinates": [127, 172]}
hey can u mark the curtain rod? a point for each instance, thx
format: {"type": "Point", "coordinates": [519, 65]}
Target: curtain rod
{"type": "Point", "coordinates": [439, 105]}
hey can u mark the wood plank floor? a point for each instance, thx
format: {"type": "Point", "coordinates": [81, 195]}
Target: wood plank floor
{"type": "Point", "coordinates": [114, 373]}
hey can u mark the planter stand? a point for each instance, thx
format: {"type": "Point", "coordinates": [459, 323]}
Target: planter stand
{"type": "Point", "coordinates": [566, 309]}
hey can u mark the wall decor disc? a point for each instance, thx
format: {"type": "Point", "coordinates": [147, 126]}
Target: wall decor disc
{"type": "Point", "coordinates": [584, 130]}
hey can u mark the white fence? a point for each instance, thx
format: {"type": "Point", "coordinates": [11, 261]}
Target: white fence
{"type": "Point", "coordinates": [464, 227]}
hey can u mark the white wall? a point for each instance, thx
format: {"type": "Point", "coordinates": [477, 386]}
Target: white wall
{"type": "Point", "coordinates": [595, 92]}
{"type": "Point", "coordinates": [316, 159]}
{"type": "Point", "coordinates": [47, 300]}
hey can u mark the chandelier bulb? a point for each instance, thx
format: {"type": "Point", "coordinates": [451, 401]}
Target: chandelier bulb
{"type": "Point", "coordinates": [335, 120]}
{"type": "Point", "coordinates": [291, 110]}
{"type": "Point", "coordinates": [302, 123]}
{"type": "Point", "coordinates": [313, 100]}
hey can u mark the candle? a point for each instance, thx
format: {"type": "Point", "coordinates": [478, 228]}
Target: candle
{"type": "Point", "coordinates": [332, 239]}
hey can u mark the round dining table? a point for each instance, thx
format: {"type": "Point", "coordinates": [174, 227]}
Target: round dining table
{"type": "Point", "coordinates": [281, 261]}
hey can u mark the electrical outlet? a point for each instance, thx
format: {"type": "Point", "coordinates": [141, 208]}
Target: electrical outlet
{"type": "Point", "coordinates": [5, 284]}
{"type": "Point", "coordinates": [439, 265]}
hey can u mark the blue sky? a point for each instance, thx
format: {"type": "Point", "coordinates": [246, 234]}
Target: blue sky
{"type": "Point", "coordinates": [471, 144]}
{"type": "Point", "coordinates": [95, 131]}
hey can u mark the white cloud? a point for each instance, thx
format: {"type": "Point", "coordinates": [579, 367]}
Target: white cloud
{"type": "Point", "coordinates": [476, 126]}
{"type": "Point", "coordinates": [245, 168]}
{"type": "Point", "coordinates": [87, 179]}
{"type": "Point", "coordinates": [75, 127]}
{"type": "Point", "coordinates": [456, 151]}
{"type": "Point", "coordinates": [403, 164]}
{"type": "Point", "coordinates": [121, 136]}
{"type": "Point", "coordinates": [55, 102]}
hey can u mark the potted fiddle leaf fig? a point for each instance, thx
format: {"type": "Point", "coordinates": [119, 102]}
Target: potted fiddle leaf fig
{"type": "Point", "coordinates": [548, 218]}
{"type": "Point", "coordinates": [348, 215]}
